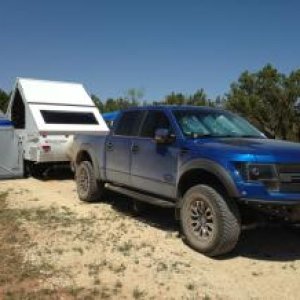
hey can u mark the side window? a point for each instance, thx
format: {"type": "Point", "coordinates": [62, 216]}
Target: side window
{"type": "Point", "coordinates": [155, 120]}
{"type": "Point", "coordinates": [129, 123]}
{"type": "Point", "coordinates": [68, 117]}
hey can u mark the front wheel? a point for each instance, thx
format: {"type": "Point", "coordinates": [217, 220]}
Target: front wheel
{"type": "Point", "coordinates": [210, 224]}
{"type": "Point", "coordinates": [88, 188]}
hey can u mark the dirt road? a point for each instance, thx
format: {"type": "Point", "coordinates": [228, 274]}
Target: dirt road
{"type": "Point", "coordinates": [107, 249]}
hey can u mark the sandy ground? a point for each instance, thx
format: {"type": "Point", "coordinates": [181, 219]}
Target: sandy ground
{"type": "Point", "coordinates": [107, 246]}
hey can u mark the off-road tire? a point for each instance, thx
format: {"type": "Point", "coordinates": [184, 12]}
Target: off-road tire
{"type": "Point", "coordinates": [89, 189]}
{"type": "Point", "coordinates": [211, 240]}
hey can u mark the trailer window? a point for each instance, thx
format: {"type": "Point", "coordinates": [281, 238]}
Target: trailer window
{"type": "Point", "coordinates": [68, 117]}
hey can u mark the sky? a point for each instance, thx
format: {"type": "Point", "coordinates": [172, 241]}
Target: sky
{"type": "Point", "coordinates": [158, 46]}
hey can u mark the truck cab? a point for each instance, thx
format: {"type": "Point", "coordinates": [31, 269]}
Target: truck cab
{"type": "Point", "coordinates": [209, 164]}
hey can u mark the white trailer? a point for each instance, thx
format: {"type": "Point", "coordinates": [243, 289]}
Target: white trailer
{"type": "Point", "coordinates": [46, 114]}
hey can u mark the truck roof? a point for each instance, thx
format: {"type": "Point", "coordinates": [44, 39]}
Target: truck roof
{"type": "Point", "coordinates": [174, 107]}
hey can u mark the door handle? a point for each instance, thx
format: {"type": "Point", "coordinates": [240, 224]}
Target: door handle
{"type": "Point", "coordinates": [109, 146]}
{"type": "Point", "coordinates": [135, 148]}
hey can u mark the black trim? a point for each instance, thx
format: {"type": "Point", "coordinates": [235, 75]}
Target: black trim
{"type": "Point", "coordinates": [140, 196]}
{"type": "Point", "coordinates": [61, 104]}
{"type": "Point", "coordinates": [265, 202]}
{"type": "Point", "coordinates": [213, 168]}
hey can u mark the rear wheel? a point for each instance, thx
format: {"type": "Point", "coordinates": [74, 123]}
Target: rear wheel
{"type": "Point", "coordinates": [210, 224]}
{"type": "Point", "coordinates": [88, 188]}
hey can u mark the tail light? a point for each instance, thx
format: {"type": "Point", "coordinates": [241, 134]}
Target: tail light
{"type": "Point", "coordinates": [46, 148]}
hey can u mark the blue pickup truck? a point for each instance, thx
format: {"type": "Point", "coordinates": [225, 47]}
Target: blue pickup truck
{"type": "Point", "coordinates": [210, 165]}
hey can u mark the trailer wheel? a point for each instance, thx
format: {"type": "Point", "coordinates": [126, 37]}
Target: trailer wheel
{"type": "Point", "coordinates": [210, 224]}
{"type": "Point", "coordinates": [88, 188]}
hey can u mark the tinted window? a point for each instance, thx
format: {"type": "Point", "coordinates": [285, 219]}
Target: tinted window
{"type": "Point", "coordinates": [68, 117]}
{"type": "Point", "coordinates": [129, 123]}
{"type": "Point", "coordinates": [154, 120]}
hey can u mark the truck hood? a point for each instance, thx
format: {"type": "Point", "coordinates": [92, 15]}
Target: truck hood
{"type": "Point", "coordinates": [262, 150]}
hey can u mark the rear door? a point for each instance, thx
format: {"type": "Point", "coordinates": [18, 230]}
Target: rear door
{"type": "Point", "coordinates": [118, 147]}
{"type": "Point", "coordinates": [154, 166]}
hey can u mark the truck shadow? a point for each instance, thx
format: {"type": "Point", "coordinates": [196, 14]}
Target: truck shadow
{"type": "Point", "coordinates": [273, 243]}
{"type": "Point", "coordinates": [158, 217]}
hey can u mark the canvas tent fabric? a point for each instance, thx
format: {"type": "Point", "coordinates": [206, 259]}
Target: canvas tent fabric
{"type": "Point", "coordinates": [4, 122]}
{"type": "Point", "coordinates": [11, 163]}
{"type": "Point", "coordinates": [111, 116]}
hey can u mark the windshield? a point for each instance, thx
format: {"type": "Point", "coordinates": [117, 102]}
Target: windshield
{"type": "Point", "coordinates": [197, 123]}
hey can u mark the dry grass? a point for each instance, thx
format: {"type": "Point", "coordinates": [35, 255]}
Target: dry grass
{"type": "Point", "coordinates": [14, 275]}
{"type": "Point", "coordinates": [54, 247]}
{"type": "Point", "coordinates": [20, 279]}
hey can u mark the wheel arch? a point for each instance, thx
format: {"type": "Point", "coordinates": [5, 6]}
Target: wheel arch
{"type": "Point", "coordinates": [86, 153]}
{"type": "Point", "coordinates": [205, 172]}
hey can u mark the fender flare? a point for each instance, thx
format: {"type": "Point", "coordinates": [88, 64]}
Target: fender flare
{"type": "Point", "coordinates": [215, 169]}
{"type": "Point", "coordinates": [89, 149]}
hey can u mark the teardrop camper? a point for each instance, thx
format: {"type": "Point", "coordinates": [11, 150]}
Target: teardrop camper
{"type": "Point", "coordinates": [46, 115]}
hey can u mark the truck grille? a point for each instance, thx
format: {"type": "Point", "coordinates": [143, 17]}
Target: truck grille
{"type": "Point", "coordinates": [289, 178]}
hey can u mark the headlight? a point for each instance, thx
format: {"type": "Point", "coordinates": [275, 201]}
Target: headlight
{"type": "Point", "coordinates": [265, 173]}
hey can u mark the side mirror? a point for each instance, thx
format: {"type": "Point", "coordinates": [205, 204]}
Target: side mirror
{"type": "Point", "coordinates": [163, 136]}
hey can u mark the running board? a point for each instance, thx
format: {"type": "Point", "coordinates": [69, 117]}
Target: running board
{"type": "Point", "coordinates": [140, 196]}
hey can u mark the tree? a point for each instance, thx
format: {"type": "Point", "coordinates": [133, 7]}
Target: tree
{"type": "Point", "coordinates": [199, 98]}
{"type": "Point", "coordinates": [220, 102]}
{"type": "Point", "coordinates": [134, 96]}
{"type": "Point", "coordinates": [4, 98]}
{"type": "Point", "coordinates": [98, 103]}
{"type": "Point", "coordinates": [175, 99]}
{"type": "Point", "coordinates": [118, 104]}
{"type": "Point", "coordinates": [267, 98]}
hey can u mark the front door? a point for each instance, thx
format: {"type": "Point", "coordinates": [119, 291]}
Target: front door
{"type": "Point", "coordinates": [154, 166]}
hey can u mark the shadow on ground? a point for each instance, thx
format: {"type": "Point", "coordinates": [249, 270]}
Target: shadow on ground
{"type": "Point", "coordinates": [55, 173]}
{"type": "Point", "coordinates": [270, 242]}
{"type": "Point", "coordinates": [274, 243]}
{"type": "Point", "coordinates": [158, 217]}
